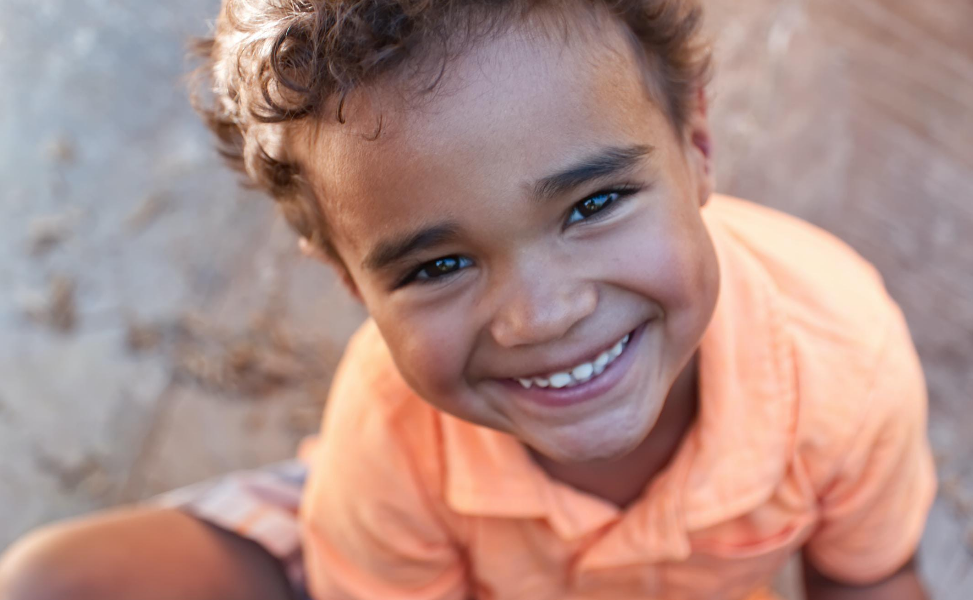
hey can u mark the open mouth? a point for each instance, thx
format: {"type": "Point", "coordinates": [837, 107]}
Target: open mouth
{"type": "Point", "coordinates": [581, 373]}
{"type": "Point", "coordinates": [595, 378]}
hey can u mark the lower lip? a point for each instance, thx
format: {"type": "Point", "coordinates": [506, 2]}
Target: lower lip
{"type": "Point", "coordinates": [589, 390]}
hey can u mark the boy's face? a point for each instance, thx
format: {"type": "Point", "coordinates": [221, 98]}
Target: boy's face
{"type": "Point", "coordinates": [521, 223]}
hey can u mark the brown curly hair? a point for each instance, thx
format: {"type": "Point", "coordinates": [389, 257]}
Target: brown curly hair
{"type": "Point", "coordinates": [272, 63]}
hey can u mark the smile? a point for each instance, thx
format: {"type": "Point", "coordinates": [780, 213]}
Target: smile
{"type": "Point", "coordinates": [580, 373]}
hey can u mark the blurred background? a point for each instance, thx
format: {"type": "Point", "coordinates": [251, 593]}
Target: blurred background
{"type": "Point", "coordinates": [157, 326]}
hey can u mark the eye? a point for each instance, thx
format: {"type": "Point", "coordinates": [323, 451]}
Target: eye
{"type": "Point", "coordinates": [437, 269]}
{"type": "Point", "coordinates": [597, 204]}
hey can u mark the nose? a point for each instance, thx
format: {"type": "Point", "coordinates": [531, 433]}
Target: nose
{"type": "Point", "coordinates": [540, 308]}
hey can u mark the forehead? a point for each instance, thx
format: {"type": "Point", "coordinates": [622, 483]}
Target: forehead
{"type": "Point", "coordinates": [510, 110]}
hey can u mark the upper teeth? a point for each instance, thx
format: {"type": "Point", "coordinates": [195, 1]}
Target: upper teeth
{"type": "Point", "coordinates": [580, 373]}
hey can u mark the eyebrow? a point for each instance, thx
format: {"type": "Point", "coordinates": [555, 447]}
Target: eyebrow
{"type": "Point", "coordinates": [606, 162]}
{"type": "Point", "coordinates": [395, 250]}
{"type": "Point", "coordinates": [612, 160]}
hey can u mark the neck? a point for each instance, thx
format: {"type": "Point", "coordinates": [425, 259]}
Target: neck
{"type": "Point", "coordinates": [623, 480]}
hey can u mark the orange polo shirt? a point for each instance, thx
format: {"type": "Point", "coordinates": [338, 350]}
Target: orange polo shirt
{"type": "Point", "coordinates": [811, 434]}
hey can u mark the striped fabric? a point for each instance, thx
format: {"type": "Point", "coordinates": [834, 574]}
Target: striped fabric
{"type": "Point", "coordinates": [260, 505]}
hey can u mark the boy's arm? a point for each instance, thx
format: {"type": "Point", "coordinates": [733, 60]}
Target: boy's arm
{"type": "Point", "coordinates": [904, 584]}
{"type": "Point", "coordinates": [141, 553]}
{"type": "Point", "coordinates": [873, 507]}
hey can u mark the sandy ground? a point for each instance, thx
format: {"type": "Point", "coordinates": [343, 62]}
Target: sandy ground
{"type": "Point", "coordinates": [157, 326]}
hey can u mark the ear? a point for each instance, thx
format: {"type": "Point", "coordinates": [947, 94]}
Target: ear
{"type": "Point", "coordinates": [700, 146]}
{"type": "Point", "coordinates": [313, 251]}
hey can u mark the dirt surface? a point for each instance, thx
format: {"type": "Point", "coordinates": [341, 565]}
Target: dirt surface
{"type": "Point", "coordinates": [158, 327]}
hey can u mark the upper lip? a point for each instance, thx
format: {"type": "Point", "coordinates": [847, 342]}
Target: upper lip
{"type": "Point", "coordinates": [566, 365]}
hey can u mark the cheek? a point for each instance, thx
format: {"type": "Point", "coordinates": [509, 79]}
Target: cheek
{"type": "Point", "coordinates": [668, 260]}
{"type": "Point", "coordinates": [430, 348]}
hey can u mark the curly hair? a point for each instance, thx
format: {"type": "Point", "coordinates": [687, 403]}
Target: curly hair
{"type": "Point", "coordinates": [272, 63]}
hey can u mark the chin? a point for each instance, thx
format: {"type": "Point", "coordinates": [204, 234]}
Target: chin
{"type": "Point", "coordinates": [604, 445]}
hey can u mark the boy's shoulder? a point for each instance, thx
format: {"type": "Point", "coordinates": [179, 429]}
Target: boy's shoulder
{"type": "Point", "coordinates": [821, 282]}
{"type": "Point", "coordinates": [367, 383]}
{"type": "Point", "coordinates": [370, 407]}
{"type": "Point", "coordinates": [847, 339]}
{"type": "Point", "coordinates": [832, 302]}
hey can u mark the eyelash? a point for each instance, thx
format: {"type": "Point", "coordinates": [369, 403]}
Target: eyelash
{"type": "Point", "coordinates": [413, 276]}
{"type": "Point", "coordinates": [621, 192]}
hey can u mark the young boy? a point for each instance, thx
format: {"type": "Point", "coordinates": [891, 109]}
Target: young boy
{"type": "Point", "coordinates": [585, 375]}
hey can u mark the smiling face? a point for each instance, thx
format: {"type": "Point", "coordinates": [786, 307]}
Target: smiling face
{"type": "Point", "coordinates": [533, 222]}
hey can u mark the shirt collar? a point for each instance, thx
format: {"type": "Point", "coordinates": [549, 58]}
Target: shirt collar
{"type": "Point", "coordinates": [730, 461]}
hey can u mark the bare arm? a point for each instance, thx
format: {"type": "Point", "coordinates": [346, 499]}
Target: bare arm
{"type": "Point", "coordinates": [145, 554]}
{"type": "Point", "coordinates": [904, 584]}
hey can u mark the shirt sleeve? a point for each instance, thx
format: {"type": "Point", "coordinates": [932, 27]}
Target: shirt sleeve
{"type": "Point", "coordinates": [874, 510]}
{"type": "Point", "coordinates": [370, 529]}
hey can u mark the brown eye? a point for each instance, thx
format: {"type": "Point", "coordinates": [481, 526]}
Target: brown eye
{"type": "Point", "coordinates": [592, 205]}
{"type": "Point", "coordinates": [442, 266]}
{"type": "Point", "coordinates": [438, 269]}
